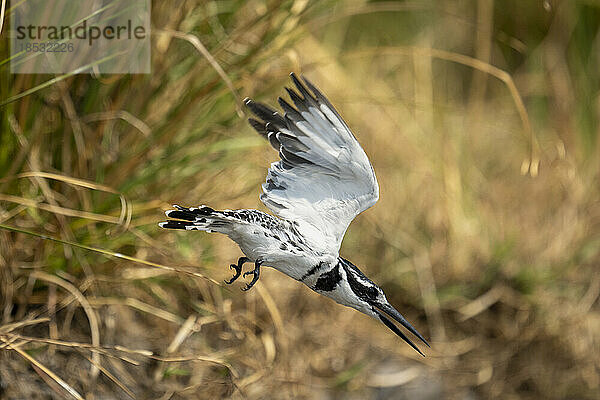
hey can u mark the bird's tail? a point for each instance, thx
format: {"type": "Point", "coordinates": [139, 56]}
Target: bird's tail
{"type": "Point", "coordinates": [201, 218]}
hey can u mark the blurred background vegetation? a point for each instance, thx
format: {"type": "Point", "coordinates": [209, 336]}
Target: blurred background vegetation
{"type": "Point", "coordinates": [481, 120]}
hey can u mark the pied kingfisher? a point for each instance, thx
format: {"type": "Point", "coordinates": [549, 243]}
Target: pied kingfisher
{"type": "Point", "coordinates": [321, 183]}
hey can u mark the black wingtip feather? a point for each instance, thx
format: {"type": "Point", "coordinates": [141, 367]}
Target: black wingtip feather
{"type": "Point", "coordinates": [258, 126]}
{"type": "Point", "coordinates": [290, 111]}
{"type": "Point", "coordinates": [320, 97]}
{"type": "Point", "coordinates": [298, 101]}
{"type": "Point", "coordinates": [312, 87]}
{"type": "Point", "coordinates": [292, 158]}
{"type": "Point", "coordinates": [265, 113]}
{"type": "Point", "coordinates": [308, 97]}
{"type": "Point", "coordinates": [272, 138]}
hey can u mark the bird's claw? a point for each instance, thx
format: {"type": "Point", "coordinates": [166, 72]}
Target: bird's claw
{"type": "Point", "coordinates": [255, 272]}
{"type": "Point", "coordinates": [238, 272]}
{"type": "Point", "coordinates": [238, 269]}
{"type": "Point", "coordinates": [252, 282]}
{"type": "Point", "coordinates": [247, 287]}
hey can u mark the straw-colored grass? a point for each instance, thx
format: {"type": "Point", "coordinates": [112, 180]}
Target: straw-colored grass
{"type": "Point", "coordinates": [481, 121]}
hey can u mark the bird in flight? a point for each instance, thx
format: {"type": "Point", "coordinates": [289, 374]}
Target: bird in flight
{"type": "Point", "coordinates": [322, 181]}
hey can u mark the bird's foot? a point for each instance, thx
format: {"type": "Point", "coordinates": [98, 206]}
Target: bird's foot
{"type": "Point", "coordinates": [255, 272]}
{"type": "Point", "coordinates": [238, 269]}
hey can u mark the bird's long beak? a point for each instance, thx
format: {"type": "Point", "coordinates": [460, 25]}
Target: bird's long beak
{"type": "Point", "coordinates": [392, 312]}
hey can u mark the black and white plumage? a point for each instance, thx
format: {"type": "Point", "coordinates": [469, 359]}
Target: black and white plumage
{"type": "Point", "coordinates": [322, 181]}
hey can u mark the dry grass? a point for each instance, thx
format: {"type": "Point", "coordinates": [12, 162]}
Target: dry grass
{"type": "Point", "coordinates": [481, 121]}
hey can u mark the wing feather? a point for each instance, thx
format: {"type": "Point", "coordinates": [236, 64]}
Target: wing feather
{"type": "Point", "coordinates": [324, 178]}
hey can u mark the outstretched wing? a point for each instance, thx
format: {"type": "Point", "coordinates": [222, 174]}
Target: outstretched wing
{"type": "Point", "coordinates": [324, 178]}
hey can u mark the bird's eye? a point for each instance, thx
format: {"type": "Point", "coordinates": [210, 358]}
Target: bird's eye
{"type": "Point", "coordinates": [373, 293]}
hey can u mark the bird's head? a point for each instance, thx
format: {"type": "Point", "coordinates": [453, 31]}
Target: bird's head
{"type": "Point", "coordinates": [373, 302]}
